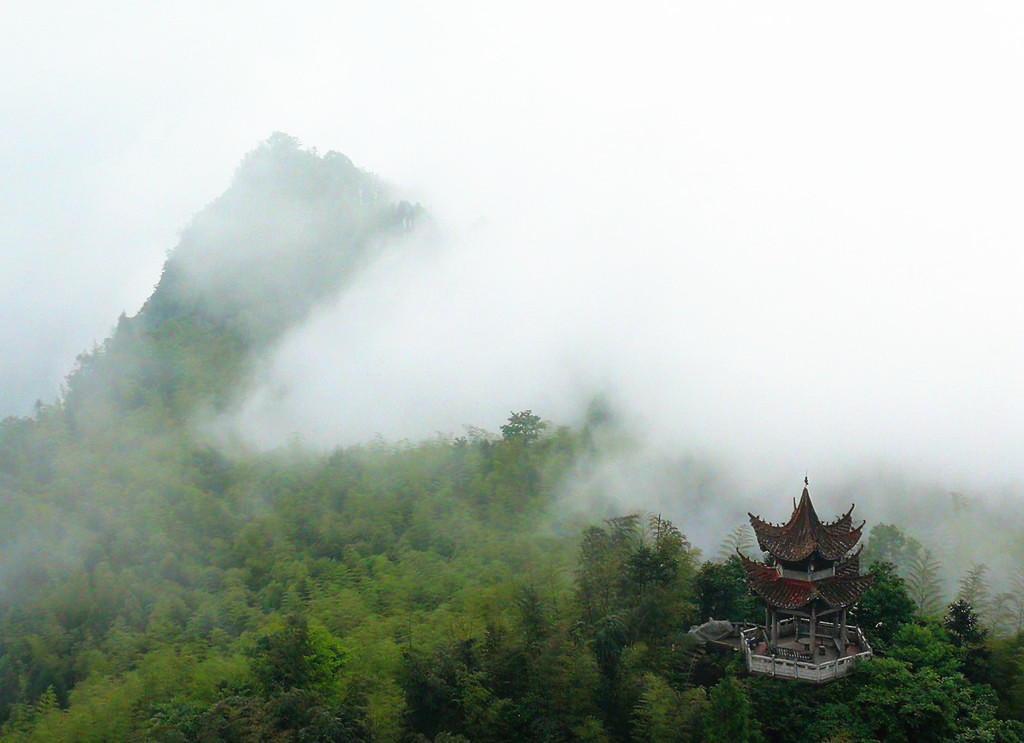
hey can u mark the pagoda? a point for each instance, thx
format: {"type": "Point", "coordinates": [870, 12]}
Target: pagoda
{"type": "Point", "coordinates": [809, 580]}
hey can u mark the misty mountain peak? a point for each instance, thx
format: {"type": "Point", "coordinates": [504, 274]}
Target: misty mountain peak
{"type": "Point", "coordinates": [290, 231]}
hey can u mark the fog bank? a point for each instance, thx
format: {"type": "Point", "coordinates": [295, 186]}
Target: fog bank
{"type": "Point", "coordinates": [788, 237]}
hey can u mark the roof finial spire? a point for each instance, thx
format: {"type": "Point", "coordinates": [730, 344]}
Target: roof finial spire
{"type": "Point", "coordinates": [806, 481]}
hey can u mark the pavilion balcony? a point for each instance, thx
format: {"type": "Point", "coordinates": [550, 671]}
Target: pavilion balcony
{"type": "Point", "coordinates": [793, 657]}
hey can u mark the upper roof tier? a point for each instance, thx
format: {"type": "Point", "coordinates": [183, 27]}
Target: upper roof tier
{"type": "Point", "coordinates": [805, 534]}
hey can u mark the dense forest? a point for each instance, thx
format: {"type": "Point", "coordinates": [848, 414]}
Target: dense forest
{"type": "Point", "coordinates": [155, 586]}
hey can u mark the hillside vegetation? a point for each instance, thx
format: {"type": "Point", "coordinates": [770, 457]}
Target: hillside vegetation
{"type": "Point", "coordinates": [154, 588]}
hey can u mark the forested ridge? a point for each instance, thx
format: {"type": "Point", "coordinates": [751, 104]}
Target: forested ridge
{"type": "Point", "coordinates": [155, 587]}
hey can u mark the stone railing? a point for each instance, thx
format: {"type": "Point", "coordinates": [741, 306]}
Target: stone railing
{"type": "Point", "coordinates": [798, 665]}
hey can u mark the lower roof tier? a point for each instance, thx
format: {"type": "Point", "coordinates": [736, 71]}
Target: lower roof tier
{"type": "Point", "coordinates": [788, 593]}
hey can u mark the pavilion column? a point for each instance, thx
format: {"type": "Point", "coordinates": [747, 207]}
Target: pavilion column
{"type": "Point", "coordinates": [775, 628]}
{"type": "Point", "coordinates": [843, 637]}
{"type": "Point", "coordinates": [814, 622]}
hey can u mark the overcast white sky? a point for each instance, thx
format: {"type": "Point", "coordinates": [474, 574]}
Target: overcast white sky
{"type": "Point", "coordinates": [787, 231]}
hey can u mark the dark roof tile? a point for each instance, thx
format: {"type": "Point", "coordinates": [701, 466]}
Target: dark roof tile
{"type": "Point", "coordinates": [804, 534]}
{"type": "Point", "coordinates": [787, 593]}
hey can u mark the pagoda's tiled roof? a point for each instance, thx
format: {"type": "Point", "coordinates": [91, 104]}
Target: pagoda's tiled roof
{"type": "Point", "coordinates": [842, 525]}
{"type": "Point", "coordinates": [787, 593]}
{"type": "Point", "coordinates": [804, 533]}
{"type": "Point", "coordinates": [849, 566]}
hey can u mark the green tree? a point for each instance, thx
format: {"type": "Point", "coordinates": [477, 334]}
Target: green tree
{"type": "Point", "coordinates": [923, 583]}
{"type": "Point", "coordinates": [634, 577]}
{"type": "Point", "coordinates": [885, 607]}
{"type": "Point", "coordinates": [925, 646]}
{"type": "Point", "coordinates": [740, 539]}
{"type": "Point", "coordinates": [523, 426]}
{"type": "Point", "coordinates": [888, 543]}
{"type": "Point", "coordinates": [905, 707]}
{"type": "Point", "coordinates": [665, 715]}
{"type": "Point", "coordinates": [633, 593]}
{"type": "Point", "coordinates": [1007, 675]}
{"type": "Point", "coordinates": [722, 593]}
{"type": "Point", "coordinates": [973, 589]}
{"type": "Point", "coordinates": [1017, 600]}
{"type": "Point", "coordinates": [968, 633]}
{"type": "Point", "coordinates": [727, 719]}
{"type": "Point", "coordinates": [963, 624]}
{"type": "Point", "coordinates": [297, 655]}
{"type": "Point", "coordinates": [994, 731]}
